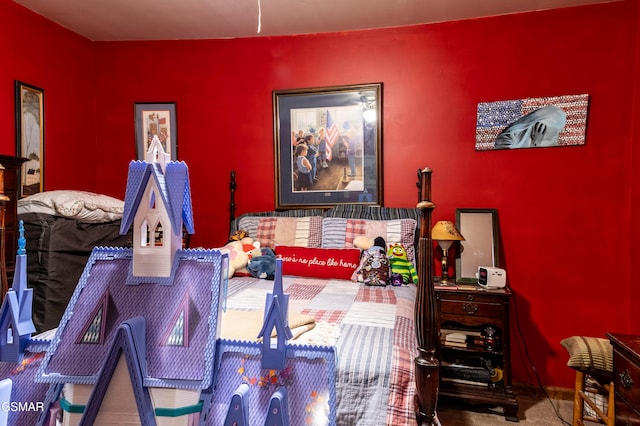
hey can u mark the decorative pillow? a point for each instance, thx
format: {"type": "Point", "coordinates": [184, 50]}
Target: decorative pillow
{"type": "Point", "coordinates": [249, 224]}
{"type": "Point", "coordinates": [340, 233]}
{"type": "Point", "coordinates": [318, 262]}
{"type": "Point", "coordinates": [368, 212]}
{"type": "Point", "coordinates": [289, 231]}
{"type": "Point", "coordinates": [591, 355]}
{"type": "Point", "coordinates": [80, 205]}
{"type": "Point", "coordinates": [249, 221]}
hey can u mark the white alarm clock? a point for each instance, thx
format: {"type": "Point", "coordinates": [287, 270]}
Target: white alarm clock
{"type": "Point", "coordinates": [491, 277]}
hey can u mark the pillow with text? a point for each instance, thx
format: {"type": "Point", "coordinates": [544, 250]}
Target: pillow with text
{"type": "Point", "coordinates": [318, 262]}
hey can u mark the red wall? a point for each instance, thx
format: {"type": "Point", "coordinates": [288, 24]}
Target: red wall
{"type": "Point", "coordinates": [565, 213]}
{"type": "Point", "coordinates": [43, 54]}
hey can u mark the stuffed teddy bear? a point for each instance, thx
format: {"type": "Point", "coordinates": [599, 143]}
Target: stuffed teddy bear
{"type": "Point", "coordinates": [400, 264]}
{"type": "Point", "coordinates": [374, 264]}
{"type": "Point", "coordinates": [263, 266]}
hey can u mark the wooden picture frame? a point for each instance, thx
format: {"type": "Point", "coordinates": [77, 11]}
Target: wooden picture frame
{"type": "Point", "coordinates": [156, 119]}
{"type": "Point", "coordinates": [346, 125]}
{"type": "Point", "coordinates": [479, 227]}
{"type": "Point", "coordinates": [29, 110]}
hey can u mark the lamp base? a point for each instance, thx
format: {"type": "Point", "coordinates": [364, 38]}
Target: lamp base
{"type": "Point", "coordinates": [444, 279]}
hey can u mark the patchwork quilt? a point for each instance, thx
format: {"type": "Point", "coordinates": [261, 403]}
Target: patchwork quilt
{"type": "Point", "coordinates": [373, 331]}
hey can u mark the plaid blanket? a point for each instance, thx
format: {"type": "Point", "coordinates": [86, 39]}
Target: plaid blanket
{"type": "Point", "coordinates": [375, 341]}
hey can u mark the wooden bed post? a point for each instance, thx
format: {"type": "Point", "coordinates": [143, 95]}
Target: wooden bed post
{"type": "Point", "coordinates": [232, 201]}
{"type": "Point", "coordinates": [426, 316]}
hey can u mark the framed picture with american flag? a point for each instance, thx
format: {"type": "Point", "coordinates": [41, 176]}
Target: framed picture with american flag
{"type": "Point", "coordinates": [328, 146]}
{"type": "Point", "coordinates": [156, 119]}
{"type": "Point", "coordinates": [532, 122]}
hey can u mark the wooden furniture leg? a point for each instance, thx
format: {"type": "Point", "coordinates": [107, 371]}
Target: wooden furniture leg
{"type": "Point", "coordinates": [611, 404]}
{"type": "Point", "coordinates": [580, 398]}
{"type": "Point", "coordinates": [578, 408]}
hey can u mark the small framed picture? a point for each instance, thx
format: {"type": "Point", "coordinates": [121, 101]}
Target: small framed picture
{"type": "Point", "coordinates": [156, 119]}
{"type": "Point", "coordinates": [30, 137]}
{"type": "Point", "coordinates": [481, 242]}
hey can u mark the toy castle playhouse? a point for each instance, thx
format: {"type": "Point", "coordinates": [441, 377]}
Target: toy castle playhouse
{"type": "Point", "coordinates": [139, 341]}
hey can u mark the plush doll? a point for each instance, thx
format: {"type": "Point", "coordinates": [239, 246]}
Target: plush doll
{"type": "Point", "coordinates": [263, 266]}
{"type": "Point", "coordinates": [374, 264]}
{"type": "Point", "coordinates": [400, 264]}
{"type": "Point", "coordinates": [252, 249]}
{"type": "Point", "coordinates": [238, 259]}
{"type": "Point", "coordinates": [238, 235]}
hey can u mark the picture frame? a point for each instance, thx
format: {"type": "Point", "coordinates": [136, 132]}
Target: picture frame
{"type": "Point", "coordinates": [552, 121]}
{"type": "Point", "coordinates": [479, 227]}
{"type": "Point", "coordinates": [153, 118]}
{"type": "Point", "coordinates": [29, 110]}
{"type": "Point", "coordinates": [346, 125]}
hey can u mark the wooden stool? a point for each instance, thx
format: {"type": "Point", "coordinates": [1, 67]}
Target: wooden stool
{"type": "Point", "coordinates": [585, 387]}
{"type": "Point", "coordinates": [592, 358]}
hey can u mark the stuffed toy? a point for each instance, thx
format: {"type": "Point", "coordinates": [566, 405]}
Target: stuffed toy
{"type": "Point", "coordinates": [238, 235]}
{"type": "Point", "coordinates": [252, 249]}
{"type": "Point", "coordinates": [400, 264]}
{"type": "Point", "coordinates": [374, 264]}
{"type": "Point", "coordinates": [238, 259]}
{"type": "Point", "coordinates": [362, 242]}
{"type": "Point", "coordinates": [263, 266]}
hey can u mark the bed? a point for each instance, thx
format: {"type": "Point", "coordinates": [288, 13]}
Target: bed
{"type": "Point", "coordinates": [61, 228]}
{"type": "Point", "coordinates": [387, 370]}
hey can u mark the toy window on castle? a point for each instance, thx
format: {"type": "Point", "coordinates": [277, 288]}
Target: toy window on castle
{"type": "Point", "coordinates": [9, 335]}
{"type": "Point", "coordinates": [273, 343]}
{"type": "Point", "coordinates": [178, 334]}
{"type": "Point", "coordinates": [158, 235]}
{"type": "Point", "coordinates": [94, 330]}
{"type": "Point", "coordinates": [152, 200]}
{"type": "Point", "coordinates": [176, 337]}
{"type": "Point", "coordinates": [92, 334]}
{"type": "Point", "coordinates": [145, 234]}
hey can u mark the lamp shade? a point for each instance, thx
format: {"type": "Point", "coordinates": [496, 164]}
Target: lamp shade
{"type": "Point", "coordinates": [445, 230]}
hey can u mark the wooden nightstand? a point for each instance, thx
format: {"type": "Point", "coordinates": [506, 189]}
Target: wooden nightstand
{"type": "Point", "coordinates": [477, 371]}
{"type": "Point", "coordinates": [626, 377]}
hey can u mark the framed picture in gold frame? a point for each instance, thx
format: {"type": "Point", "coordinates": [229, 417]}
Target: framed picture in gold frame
{"type": "Point", "coordinates": [328, 146]}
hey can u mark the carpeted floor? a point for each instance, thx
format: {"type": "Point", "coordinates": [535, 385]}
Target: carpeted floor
{"type": "Point", "coordinates": [534, 409]}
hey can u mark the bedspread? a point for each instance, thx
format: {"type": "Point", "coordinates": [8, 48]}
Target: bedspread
{"type": "Point", "coordinates": [373, 331]}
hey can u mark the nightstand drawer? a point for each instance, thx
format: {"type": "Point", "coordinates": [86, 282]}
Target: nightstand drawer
{"type": "Point", "coordinates": [471, 307]}
{"type": "Point", "coordinates": [626, 376]}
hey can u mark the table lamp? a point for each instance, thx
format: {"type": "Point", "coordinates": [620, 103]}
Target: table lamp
{"type": "Point", "coordinates": [445, 233]}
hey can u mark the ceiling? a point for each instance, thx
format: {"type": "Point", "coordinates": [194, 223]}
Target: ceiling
{"type": "Point", "coordinates": [116, 20]}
